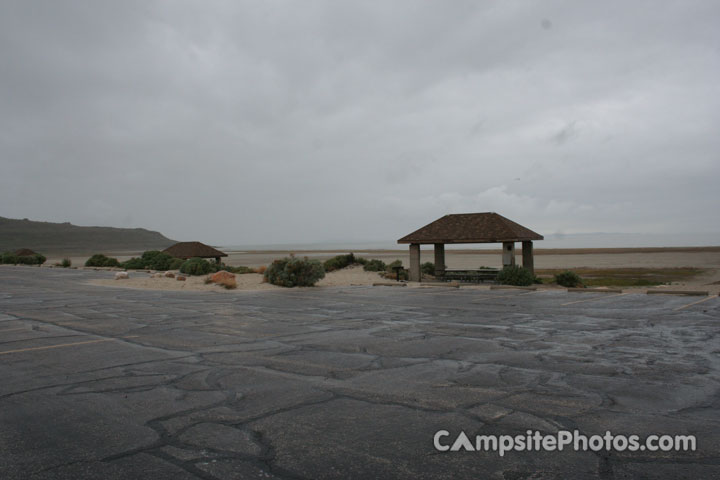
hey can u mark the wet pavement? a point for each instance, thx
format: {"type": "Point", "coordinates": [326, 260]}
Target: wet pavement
{"type": "Point", "coordinates": [353, 382]}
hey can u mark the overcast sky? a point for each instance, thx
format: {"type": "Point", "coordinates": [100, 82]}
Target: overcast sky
{"type": "Point", "coordinates": [262, 122]}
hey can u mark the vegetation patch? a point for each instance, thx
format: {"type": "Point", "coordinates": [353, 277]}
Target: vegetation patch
{"type": "Point", "coordinates": [240, 270]}
{"type": "Point", "coordinates": [428, 268]}
{"type": "Point", "coordinates": [153, 260]}
{"type": "Point", "coordinates": [134, 263]}
{"type": "Point", "coordinates": [515, 275]}
{"type": "Point", "coordinates": [342, 261]}
{"type": "Point", "coordinates": [196, 266]}
{"type": "Point", "coordinates": [374, 265]}
{"type": "Point", "coordinates": [628, 277]}
{"type": "Point", "coordinates": [156, 260]}
{"type": "Point", "coordinates": [393, 274]}
{"type": "Point", "coordinates": [568, 279]}
{"type": "Point", "coordinates": [294, 272]}
{"type": "Point", "coordinates": [10, 258]}
{"type": "Point", "coordinates": [100, 260]}
{"type": "Point", "coordinates": [176, 263]}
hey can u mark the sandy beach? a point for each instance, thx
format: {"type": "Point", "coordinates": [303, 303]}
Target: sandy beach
{"type": "Point", "coordinates": [350, 276]}
{"type": "Point", "coordinates": [706, 258]}
{"type": "Point", "coordinates": [672, 257]}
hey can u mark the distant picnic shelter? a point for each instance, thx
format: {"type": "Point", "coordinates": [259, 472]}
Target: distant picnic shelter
{"type": "Point", "coordinates": [187, 250]}
{"type": "Point", "coordinates": [488, 227]}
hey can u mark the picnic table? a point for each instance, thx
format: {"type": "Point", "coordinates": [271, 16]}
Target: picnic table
{"type": "Point", "coordinates": [479, 275]}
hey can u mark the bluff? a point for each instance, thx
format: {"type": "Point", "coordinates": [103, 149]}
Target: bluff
{"type": "Point", "coordinates": [48, 237]}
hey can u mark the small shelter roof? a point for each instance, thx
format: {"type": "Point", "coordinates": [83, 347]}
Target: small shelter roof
{"type": "Point", "coordinates": [487, 227]}
{"type": "Point", "coordinates": [193, 249]}
{"type": "Point", "coordinates": [25, 252]}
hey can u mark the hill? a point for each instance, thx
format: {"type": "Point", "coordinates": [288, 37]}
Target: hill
{"type": "Point", "coordinates": [47, 237]}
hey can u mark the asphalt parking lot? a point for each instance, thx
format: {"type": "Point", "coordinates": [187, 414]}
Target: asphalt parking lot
{"type": "Point", "coordinates": [102, 382]}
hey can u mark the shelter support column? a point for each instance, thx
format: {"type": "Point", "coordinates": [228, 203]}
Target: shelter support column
{"type": "Point", "coordinates": [439, 259]}
{"type": "Point", "coordinates": [527, 256]}
{"type": "Point", "coordinates": [414, 262]}
{"type": "Point", "coordinates": [508, 253]}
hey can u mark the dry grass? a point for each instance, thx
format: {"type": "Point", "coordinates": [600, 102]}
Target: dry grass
{"type": "Point", "coordinates": [626, 277]}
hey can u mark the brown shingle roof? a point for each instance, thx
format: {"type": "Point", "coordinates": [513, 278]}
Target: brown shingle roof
{"type": "Point", "coordinates": [486, 227]}
{"type": "Point", "coordinates": [25, 252]}
{"type": "Point", "coordinates": [193, 249]}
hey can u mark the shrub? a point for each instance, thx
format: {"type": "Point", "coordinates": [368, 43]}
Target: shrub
{"type": "Point", "coordinates": [196, 266]}
{"type": "Point", "coordinates": [134, 263]}
{"type": "Point", "coordinates": [428, 268]}
{"type": "Point", "coordinates": [568, 279]}
{"type": "Point", "coordinates": [35, 259]}
{"type": "Point", "coordinates": [65, 263]}
{"type": "Point", "coordinates": [390, 272]}
{"type": "Point", "coordinates": [515, 275]}
{"type": "Point", "coordinates": [153, 260]}
{"type": "Point", "coordinates": [9, 258]}
{"type": "Point", "coordinates": [112, 262]}
{"type": "Point", "coordinates": [149, 255]}
{"type": "Point", "coordinates": [175, 263]}
{"type": "Point", "coordinates": [339, 262]}
{"type": "Point", "coordinates": [161, 261]}
{"type": "Point", "coordinates": [374, 266]}
{"type": "Point", "coordinates": [294, 272]}
{"type": "Point", "coordinates": [261, 269]}
{"type": "Point", "coordinates": [100, 260]}
{"type": "Point", "coordinates": [240, 270]}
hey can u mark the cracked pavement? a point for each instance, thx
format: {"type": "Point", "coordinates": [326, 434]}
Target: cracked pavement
{"type": "Point", "coordinates": [350, 382]}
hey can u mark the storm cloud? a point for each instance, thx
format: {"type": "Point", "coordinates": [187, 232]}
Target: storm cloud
{"type": "Point", "coordinates": [291, 122]}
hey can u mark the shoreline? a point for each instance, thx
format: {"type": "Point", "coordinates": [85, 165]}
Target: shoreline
{"type": "Point", "coordinates": [403, 249]}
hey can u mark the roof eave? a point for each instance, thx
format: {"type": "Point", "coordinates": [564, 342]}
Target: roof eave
{"type": "Point", "coordinates": [472, 240]}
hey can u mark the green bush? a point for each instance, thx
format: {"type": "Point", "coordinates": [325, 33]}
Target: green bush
{"type": "Point", "coordinates": [374, 266]}
{"type": "Point", "coordinates": [134, 263]}
{"type": "Point", "coordinates": [65, 263]}
{"type": "Point", "coordinates": [196, 266]}
{"type": "Point", "coordinates": [240, 270]}
{"type": "Point", "coordinates": [428, 268]}
{"type": "Point", "coordinates": [390, 272]}
{"type": "Point", "coordinates": [515, 275]}
{"type": "Point", "coordinates": [25, 259]}
{"type": "Point", "coordinates": [10, 258]}
{"type": "Point", "coordinates": [161, 261]}
{"type": "Point", "coordinates": [100, 260]}
{"type": "Point", "coordinates": [149, 255]}
{"type": "Point", "coordinates": [35, 259]}
{"type": "Point", "coordinates": [568, 279]}
{"type": "Point", "coordinates": [294, 272]}
{"type": "Point", "coordinates": [175, 264]}
{"type": "Point", "coordinates": [153, 260]}
{"type": "Point", "coordinates": [339, 262]}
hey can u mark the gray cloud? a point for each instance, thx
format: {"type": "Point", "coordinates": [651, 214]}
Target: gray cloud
{"type": "Point", "coordinates": [264, 122]}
